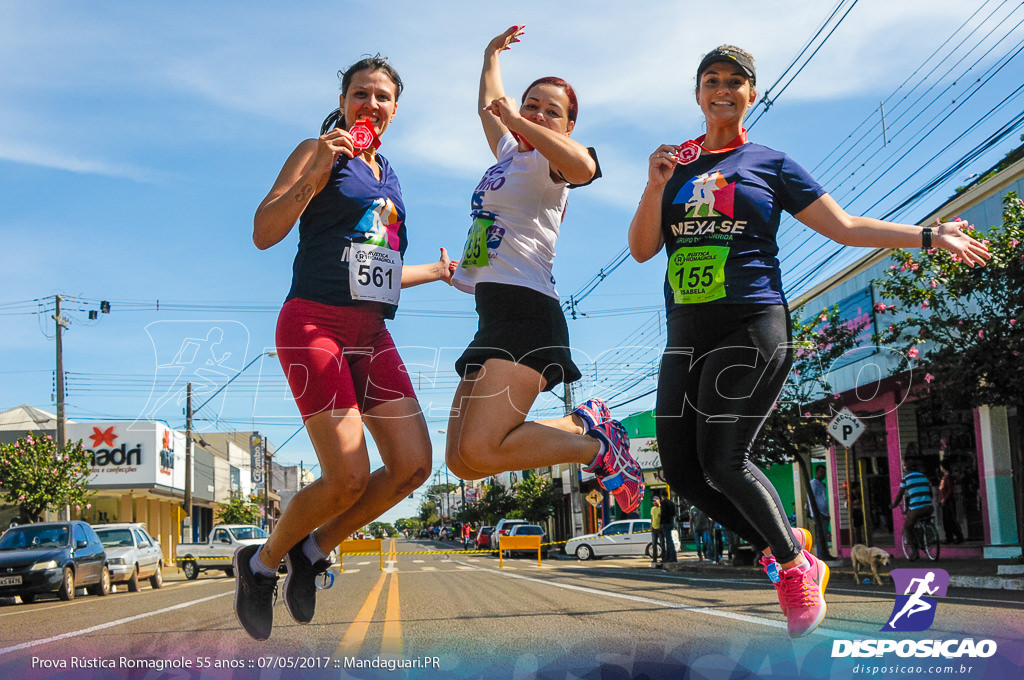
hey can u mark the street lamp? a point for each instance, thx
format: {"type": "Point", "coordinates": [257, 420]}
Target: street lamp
{"type": "Point", "coordinates": [188, 430]}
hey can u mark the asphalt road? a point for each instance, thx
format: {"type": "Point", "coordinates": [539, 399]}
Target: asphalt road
{"type": "Point", "coordinates": [451, 615]}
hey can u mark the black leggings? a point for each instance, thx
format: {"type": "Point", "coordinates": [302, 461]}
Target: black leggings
{"type": "Point", "coordinates": [722, 371]}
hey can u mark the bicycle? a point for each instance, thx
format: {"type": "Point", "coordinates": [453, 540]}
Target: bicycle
{"type": "Point", "coordinates": [927, 535]}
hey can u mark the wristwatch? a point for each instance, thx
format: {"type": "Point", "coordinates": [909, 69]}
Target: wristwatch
{"type": "Point", "coordinates": [926, 238]}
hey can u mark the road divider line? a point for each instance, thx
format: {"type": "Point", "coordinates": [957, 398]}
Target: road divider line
{"type": "Point", "coordinates": [106, 626]}
{"type": "Point", "coordinates": [356, 632]}
{"type": "Point", "coordinates": [392, 638]}
{"type": "Point", "coordinates": [770, 623]}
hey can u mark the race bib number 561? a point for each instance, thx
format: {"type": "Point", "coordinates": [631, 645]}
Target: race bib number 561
{"type": "Point", "coordinates": [374, 273]}
{"type": "Point", "coordinates": [698, 274]}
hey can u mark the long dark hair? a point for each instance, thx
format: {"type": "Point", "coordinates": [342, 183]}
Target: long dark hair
{"type": "Point", "coordinates": [375, 63]}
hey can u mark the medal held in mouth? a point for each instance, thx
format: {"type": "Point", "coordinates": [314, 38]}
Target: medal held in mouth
{"type": "Point", "coordinates": [363, 135]}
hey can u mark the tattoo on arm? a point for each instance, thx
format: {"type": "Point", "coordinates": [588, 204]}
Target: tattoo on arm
{"type": "Point", "coordinates": [303, 194]}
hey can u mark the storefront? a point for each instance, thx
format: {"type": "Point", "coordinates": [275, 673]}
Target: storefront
{"type": "Point", "coordinates": [138, 474]}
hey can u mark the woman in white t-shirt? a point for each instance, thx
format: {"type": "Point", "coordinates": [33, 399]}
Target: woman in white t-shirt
{"type": "Point", "coordinates": [521, 347]}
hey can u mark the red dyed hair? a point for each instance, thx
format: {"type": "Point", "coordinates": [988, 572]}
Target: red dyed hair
{"type": "Point", "coordinates": [557, 82]}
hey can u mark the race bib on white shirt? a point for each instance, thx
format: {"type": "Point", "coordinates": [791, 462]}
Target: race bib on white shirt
{"type": "Point", "coordinates": [374, 273]}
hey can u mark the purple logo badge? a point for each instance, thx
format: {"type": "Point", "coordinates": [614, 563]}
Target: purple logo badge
{"type": "Point", "coordinates": [914, 609]}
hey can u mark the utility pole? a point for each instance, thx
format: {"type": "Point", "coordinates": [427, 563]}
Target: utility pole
{"type": "Point", "coordinates": [188, 464]}
{"type": "Point", "coordinates": [61, 323]}
{"type": "Point", "coordinates": [574, 477]}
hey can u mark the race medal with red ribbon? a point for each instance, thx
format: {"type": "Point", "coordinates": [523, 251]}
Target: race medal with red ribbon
{"type": "Point", "coordinates": [688, 152]}
{"type": "Point", "coordinates": [363, 135]}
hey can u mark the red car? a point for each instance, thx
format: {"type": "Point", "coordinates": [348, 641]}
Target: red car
{"type": "Point", "coordinates": [483, 538]}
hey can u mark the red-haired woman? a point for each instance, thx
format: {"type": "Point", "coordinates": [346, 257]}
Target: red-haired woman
{"type": "Point", "coordinates": [521, 347]}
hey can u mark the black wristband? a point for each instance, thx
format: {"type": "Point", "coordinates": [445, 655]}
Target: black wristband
{"type": "Point", "coordinates": [926, 238]}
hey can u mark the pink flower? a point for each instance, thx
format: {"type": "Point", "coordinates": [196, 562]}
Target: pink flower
{"type": "Point", "coordinates": [823, 317]}
{"type": "Point", "coordinates": [1013, 243]}
{"type": "Point", "coordinates": [924, 305]}
{"type": "Point", "coordinates": [928, 377]}
{"type": "Point", "coordinates": [934, 283]}
{"type": "Point", "coordinates": [1013, 322]}
{"type": "Point", "coordinates": [807, 415]}
{"type": "Point", "coordinates": [879, 307]}
{"type": "Point", "coordinates": [21, 497]}
{"type": "Point", "coordinates": [912, 352]}
{"type": "Point", "coordinates": [981, 334]}
{"type": "Point", "coordinates": [88, 506]}
{"type": "Point", "coordinates": [914, 267]}
{"type": "Point", "coordinates": [892, 267]}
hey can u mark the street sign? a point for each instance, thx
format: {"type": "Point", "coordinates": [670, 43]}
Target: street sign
{"type": "Point", "coordinates": [594, 498]}
{"type": "Point", "coordinates": [845, 428]}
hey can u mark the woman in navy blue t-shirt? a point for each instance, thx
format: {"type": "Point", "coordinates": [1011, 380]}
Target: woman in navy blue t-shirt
{"type": "Point", "coordinates": [715, 203]}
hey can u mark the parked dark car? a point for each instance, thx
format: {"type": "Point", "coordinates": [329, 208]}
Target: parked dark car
{"type": "Point", "coordinates": [52, 557]}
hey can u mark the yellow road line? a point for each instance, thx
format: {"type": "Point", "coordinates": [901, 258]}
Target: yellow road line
{"type": "Point", "coordinates": [356, 632]}
{"type": "Point", "coordinates": [392, 638]}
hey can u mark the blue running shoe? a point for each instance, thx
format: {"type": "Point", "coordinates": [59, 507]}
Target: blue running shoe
{"type": "Point", "coordinates": [593, 412]}
{"type": "Point", "coordinates": [616, 470]}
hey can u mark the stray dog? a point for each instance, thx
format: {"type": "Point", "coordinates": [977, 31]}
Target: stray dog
{"type": "Point", "coordinates": [864, 557]}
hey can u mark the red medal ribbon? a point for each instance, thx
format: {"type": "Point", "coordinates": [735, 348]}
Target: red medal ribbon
{"type": "Point", "coordinates": [363, 135]}
{"type": "Point", "coordinates": [689, 151]}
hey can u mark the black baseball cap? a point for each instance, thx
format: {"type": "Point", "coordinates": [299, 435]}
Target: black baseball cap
{"type": "Point", "coordinates": [730, 55]}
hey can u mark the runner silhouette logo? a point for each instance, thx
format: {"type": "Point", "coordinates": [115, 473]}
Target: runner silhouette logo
{"type": "Point", "coordinates": [914, 610]}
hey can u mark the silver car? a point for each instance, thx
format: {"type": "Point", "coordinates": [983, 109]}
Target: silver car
{"type": "Point", "coordinates": [625, 537]}
{"type": "Point", "coordinates": [132, 554]}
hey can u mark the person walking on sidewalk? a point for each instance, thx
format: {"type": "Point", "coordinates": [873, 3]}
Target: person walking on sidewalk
{"type": "Point", "coordinates": [818, 507]}
{"type": "Point", "coordinates": [947, 499]}
{"type": "Point", "coordinates": [657, 538]}
{"type": "Point", "coordinates": [714, 204]}
{"type": "Point", "coordinates": [521, 347]}
{"type": "Point", "coordinates": [348, 203]}
{"type": "Point", "coordinates": [668, 523]}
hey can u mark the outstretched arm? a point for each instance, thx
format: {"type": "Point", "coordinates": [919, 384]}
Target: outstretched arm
{"type": "Point", "coordinates": [491, 87]}
{"type": "Point", "coordinates": [826, 217]}
{"type": "Point", "coordinates": [442, 270]}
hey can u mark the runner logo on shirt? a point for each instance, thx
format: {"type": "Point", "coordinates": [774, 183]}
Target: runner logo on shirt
{"type": "Point", "coordinates": [380, 223]}
{"type": "Point", "coordinates": [707, 195]}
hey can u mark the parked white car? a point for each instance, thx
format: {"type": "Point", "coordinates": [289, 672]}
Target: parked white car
{"type": "Point", "coordinates": [625, 537]}
{"type": "Point", "coordinates": [132, 554]}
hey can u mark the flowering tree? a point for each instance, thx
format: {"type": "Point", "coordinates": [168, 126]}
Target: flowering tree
{"type": "Point", "coordinates": [239, 510]}
{"type": "Point", "coordinates": [35, 476]}
{"type": "Point", "coordinates": [964, 325]}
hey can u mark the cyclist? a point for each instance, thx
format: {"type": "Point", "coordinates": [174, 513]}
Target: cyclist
{"type": "Point", "coordinates": [917, 491]}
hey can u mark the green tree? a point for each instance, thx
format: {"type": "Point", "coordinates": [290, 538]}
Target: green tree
{"type": "Point", "coordinates": [378, 529]}
{"type": "Point", "coordinates": [963, 325]}
{"type": "Point", "coordinates": [536, 497]}
{"type": "Point", "coordinates": [496, 503]}
{"type": "Point", "coordinates": [410, 524]}
{"type": "Point", "coordinates": [238, 510]}
{"type": "Point", "coordinates": [428, 514]}
{"type": "Point", "coordinates": [36, 476]}
{"type": "Point", "coordinates": [799, 422]}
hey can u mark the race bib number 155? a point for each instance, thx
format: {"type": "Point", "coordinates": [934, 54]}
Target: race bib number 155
{"type": "Point", "coordinates": [698, 274]}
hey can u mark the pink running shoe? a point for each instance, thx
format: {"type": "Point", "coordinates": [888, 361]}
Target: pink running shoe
{"type": "Point", "coordinates": [804, 591]}
{"type": "Point", "coordinates": [615, 469]}
{"type": "Point", "coordinates": [593, 412]}
{"type": "Point", "coordinates": [771, 567]}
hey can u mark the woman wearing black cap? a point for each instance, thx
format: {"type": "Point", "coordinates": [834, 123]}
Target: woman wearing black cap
{"type": "Point", "coordinates": [715, 204]}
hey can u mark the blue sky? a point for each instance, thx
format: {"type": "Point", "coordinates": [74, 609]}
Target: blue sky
{"type": "Point", "coordinates": [137, 139]}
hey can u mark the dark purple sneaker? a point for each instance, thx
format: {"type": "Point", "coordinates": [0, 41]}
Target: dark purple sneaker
{"type": "Point", "coordinates": [616, 470]}
{"type": "Point", "coordinates": [593, 412]}
{"type": "Point", "coordinates": [254, 595]}
{"type": "Point", "coordinates": [300, 583]}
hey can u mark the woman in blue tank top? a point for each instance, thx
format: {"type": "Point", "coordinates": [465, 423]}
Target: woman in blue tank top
{"type": "Point", "coordinates": [341, 363]}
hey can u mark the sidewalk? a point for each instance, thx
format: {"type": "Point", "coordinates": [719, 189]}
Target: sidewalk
{"type": "Point", "coordinates": [1003, 574]}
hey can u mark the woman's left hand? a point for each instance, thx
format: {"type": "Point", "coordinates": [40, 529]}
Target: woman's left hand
{"type": "Point", "coordinates": [446, 267]}
{"type": "Point", "coordinates": [505, 109]}
{"type": "Point", "coordinates": [950, 236]}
